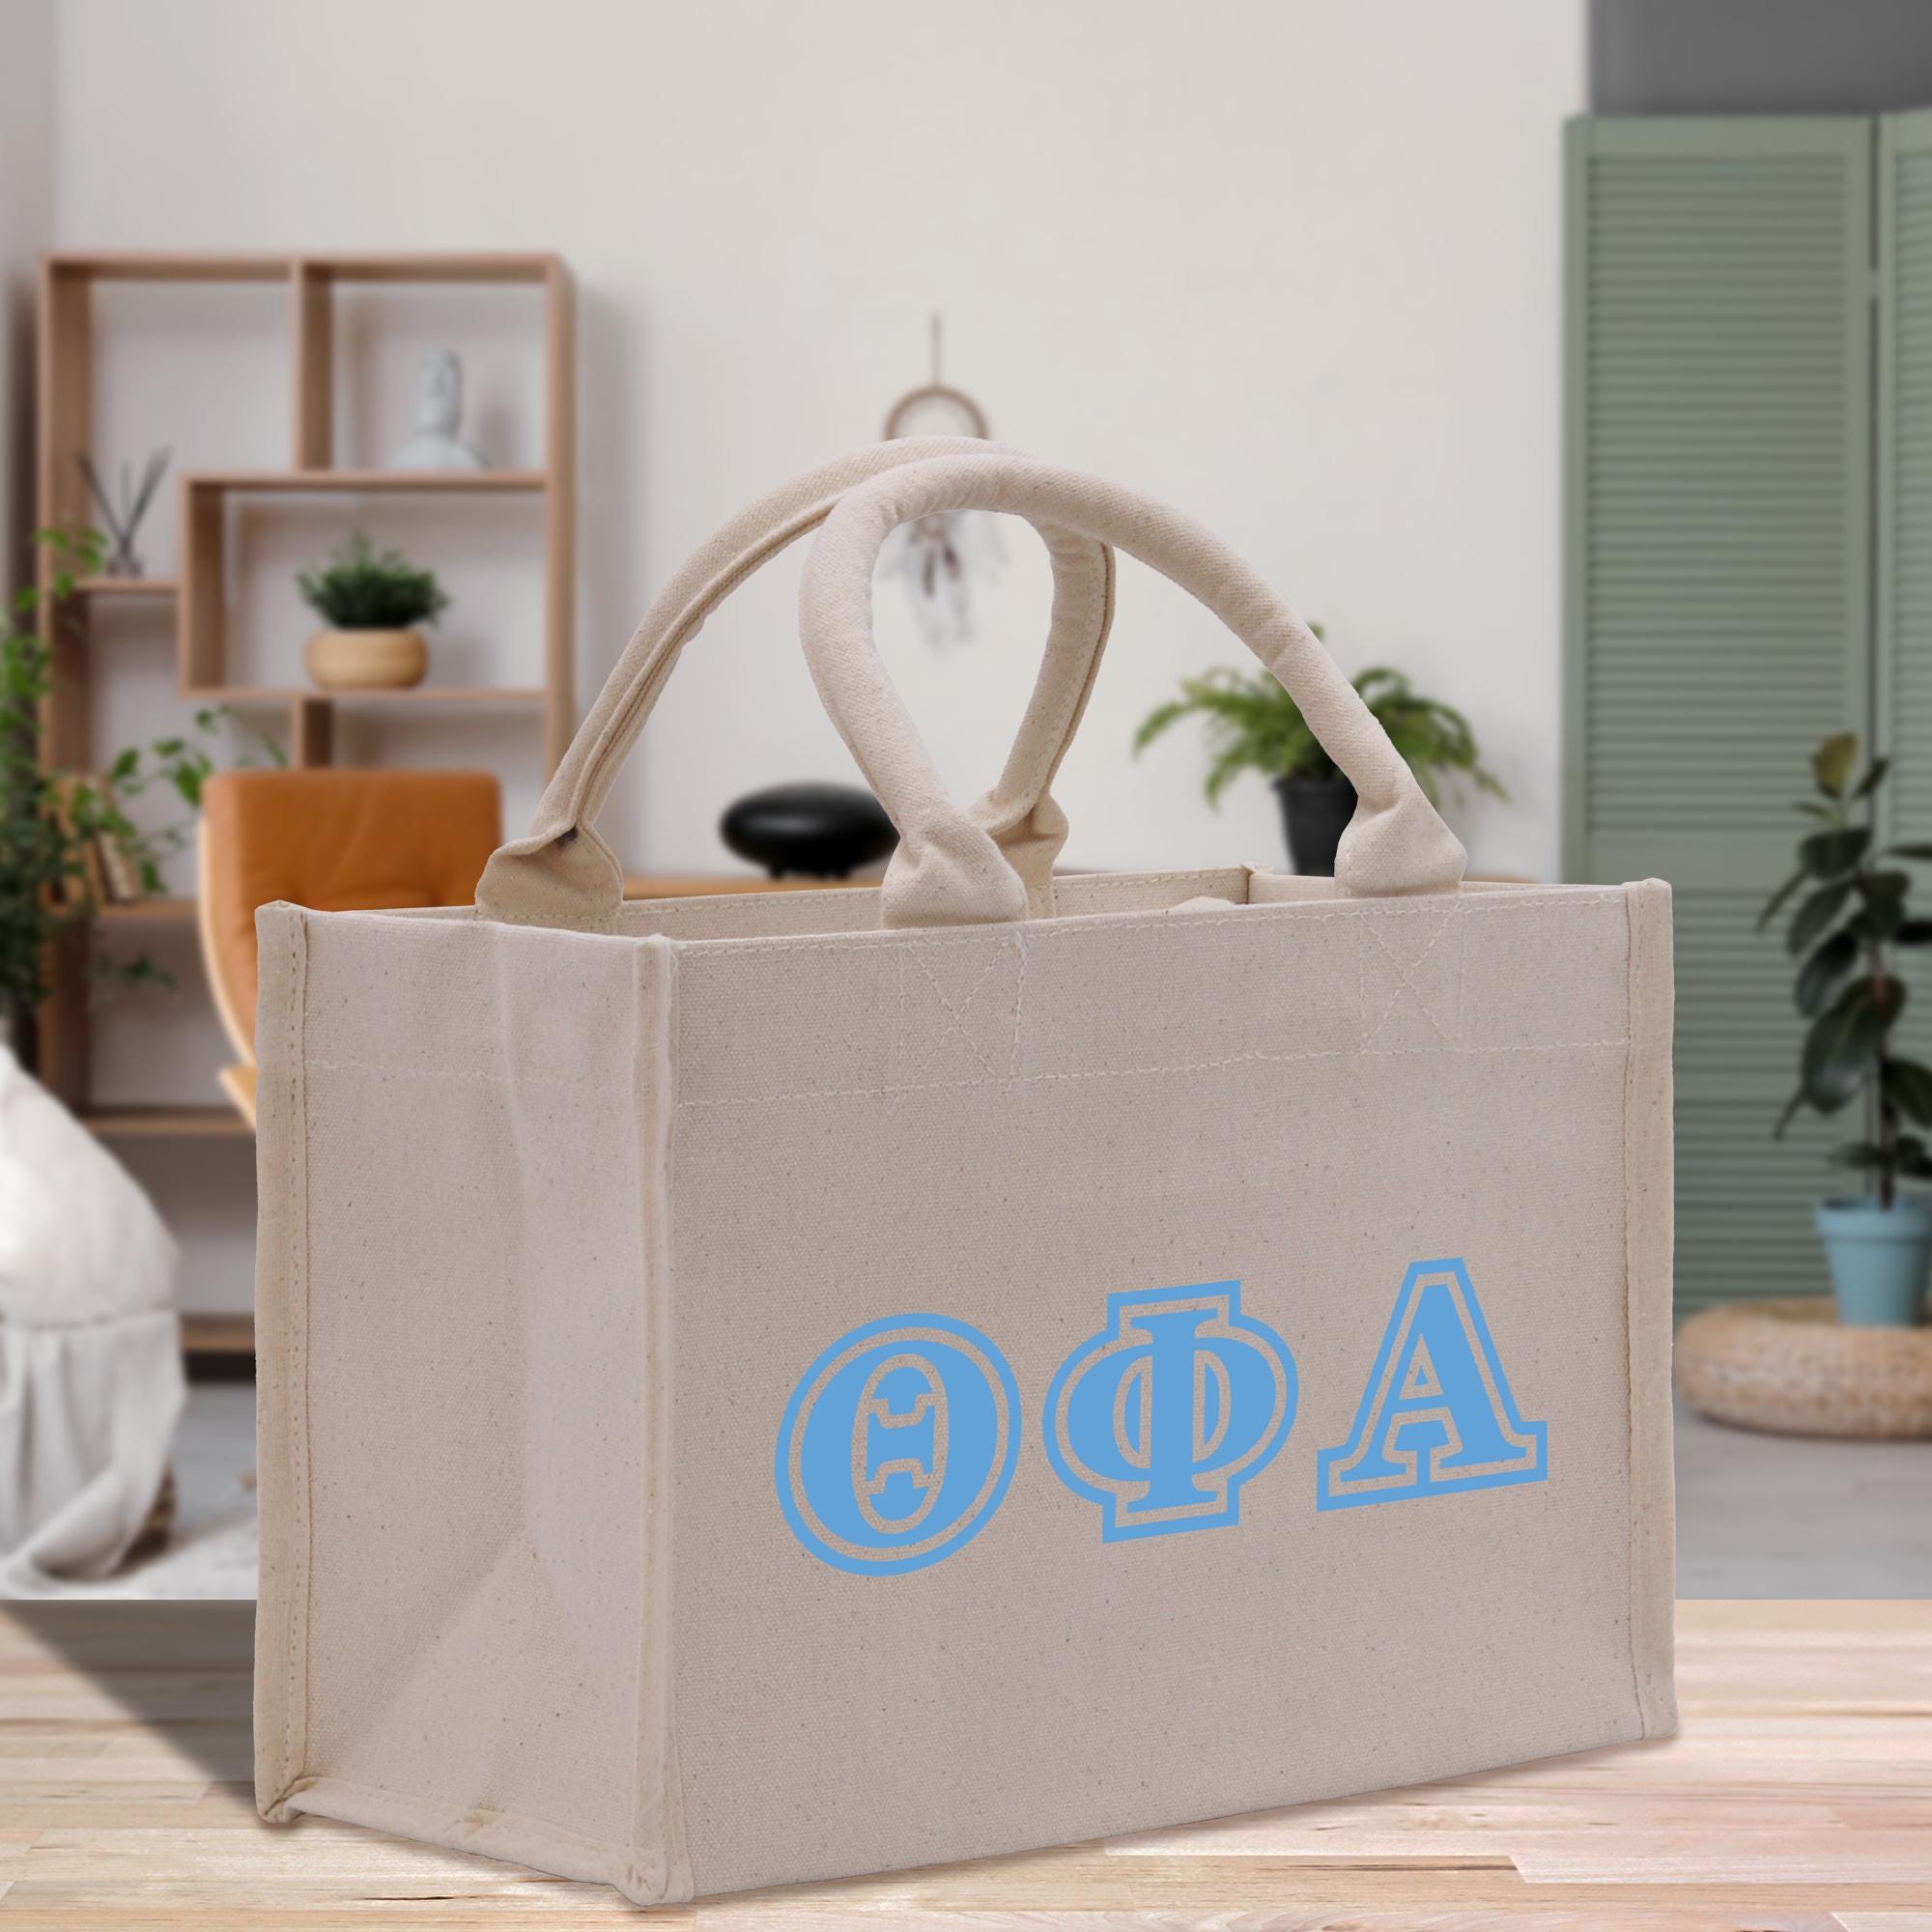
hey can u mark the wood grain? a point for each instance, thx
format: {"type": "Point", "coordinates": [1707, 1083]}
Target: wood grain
{"type": "Point", "coordinates": [1796, 1799]}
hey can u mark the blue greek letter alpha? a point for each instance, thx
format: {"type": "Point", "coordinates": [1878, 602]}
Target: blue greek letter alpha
{"type": "Point", "coordinates": [1437, 1414]}
{"type": "Point", "coordinates": [1163, 1415]}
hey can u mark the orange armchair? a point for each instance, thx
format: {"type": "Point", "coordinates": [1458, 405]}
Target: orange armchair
{"type": "Point", "coordinates": [336, 841]}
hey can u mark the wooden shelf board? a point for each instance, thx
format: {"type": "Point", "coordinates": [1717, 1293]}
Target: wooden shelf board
{"type": "Point", "coordinates": [342, 481]}
{"type": "Point", "coordinates": [218, 1334]}
{"type": "Point", "coordinates": [165, 1122]}
{"type": "Point", "coordinates": [416, 694]}
{"type": "Point", "coordinates": [156, 911]}
{"type": "Point", "coordinates": [126, 587]}
{"type": "Point", "coordinates": [532, 270]}
{"type": "Point", "coordinates": [168, 266]}
{"type": "Point", "coordinates": [160, 264]}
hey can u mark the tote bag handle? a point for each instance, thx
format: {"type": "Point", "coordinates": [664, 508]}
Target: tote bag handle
{"type": "Point", "coordinates": [562, 874]}
{"type": "Point", "coordinates": [947, 869]}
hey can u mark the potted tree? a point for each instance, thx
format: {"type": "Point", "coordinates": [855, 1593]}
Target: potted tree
{"type": "Point", "coordinates": [1877, 1245]}
{"type": "Point", "coordinates": [370, 603]}
{"type": "Point", "coordinates": [1254, 725]}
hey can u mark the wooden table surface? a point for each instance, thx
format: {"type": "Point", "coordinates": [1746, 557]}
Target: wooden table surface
{"type": "Point", "coordinates": [1798, 1795]}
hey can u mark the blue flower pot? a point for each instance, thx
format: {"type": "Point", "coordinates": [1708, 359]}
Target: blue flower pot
{"type": "Point", "coordinates": [1878, 1257]}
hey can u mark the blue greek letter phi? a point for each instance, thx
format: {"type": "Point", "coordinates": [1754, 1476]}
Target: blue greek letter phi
{"type": "Point", "coordinates": [1163, 1415]}
{"type": "Point", "coordinates": [1437, 1414]}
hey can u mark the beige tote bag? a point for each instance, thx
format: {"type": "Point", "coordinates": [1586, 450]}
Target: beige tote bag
{"type": "Point", "coordinates": [805, 1383]}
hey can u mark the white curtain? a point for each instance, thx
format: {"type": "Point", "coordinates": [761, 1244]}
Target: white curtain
{"type": "Point", "coordinates": [91, 1383]}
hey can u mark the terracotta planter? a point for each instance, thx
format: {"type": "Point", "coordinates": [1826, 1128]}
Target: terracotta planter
{"type": "Point", "coordinates": [350, 660]}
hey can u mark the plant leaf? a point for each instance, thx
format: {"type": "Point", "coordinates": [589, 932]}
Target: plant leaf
{"type": "Point", "coordinates": [1818, 979]}
{"type": "Point", "coordinates": [1816, 913]}
{"type": "Point", "coordinates": [362, 589]}
{"type": "Point", "coordinates": [1832, 761]}
{"type": "Point", "coordinates": [1791, 1106]}
{"type": "Point", "coordinates": [1858, 1154]}
{"type": "Point", "coordinates": [1913, 932]}
{"type": "Point", "coordinates": [1877, 920]}
{"type": "Point", "coordinates": [1161, 719]}
{"type": "Point", "coordinates": [1907, 1086]}
{"type": "Point", "coordinates": [1826, 854]}
{"type": "Point", "coordinates": [1841, 1050]}
{"type": "Point", "coordinates": [1778, 898]}
{"type": "Point", "coordinates": [1873, 779]}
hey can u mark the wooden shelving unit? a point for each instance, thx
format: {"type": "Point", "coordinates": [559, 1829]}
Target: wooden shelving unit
{"type": "Point", "coordinates": [125, 586]}
{"type": "Point", "coordinates": [66, 385]}
{"type": "Point", "coordinates": [156, 911]}
{"type": "Point", "coordinates": [204, 1123]}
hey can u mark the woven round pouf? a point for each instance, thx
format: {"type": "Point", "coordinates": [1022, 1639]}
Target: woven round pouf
{"type": "Point", "coordinates": [1791, 1367]}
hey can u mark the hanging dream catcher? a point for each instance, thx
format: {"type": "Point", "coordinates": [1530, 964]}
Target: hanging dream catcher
{"type": "Point", "coordinates": [938, 557]}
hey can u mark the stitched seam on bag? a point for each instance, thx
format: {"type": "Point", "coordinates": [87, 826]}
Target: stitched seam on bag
{"type": "Point", "coordinates": [1176, 1066]}
{"type": "Point", "coordinates": [440, 1816]}
{"type": "Point", "coordinates": [623, 924]}
{"type": "Point", "coordinates": [473, 1076]}
{"type": "Point", "coordinates": [1020, 1006]}
{"type": "Point", "coordinates": [1156, 920]}
{"type": "Point", "coordinates": [1394, 959]}
{"type": "Point", "coordinates": [1463, 978]}
{"type": "Point", "coordinates": [664, 1867]}
{"type": "Point", "coordinates": [643, 1081]}
{"type": "Point", "coordinates": [1038, 781]}
{"type": "Point", "coordinates": [1126, 882]}
{"type": "Point", "coordinates": [1361, 993]}
{"type": "Point", "coordinates": [1634, 943]}
{"type": "Point", "coordinates": [468, 1076]}
{"type": "Point", "coordinates": [956, 1015]}
{"type": "Point", "coordinates": [896, 1047]}
{"type": "Point", "coordinates": [295, 1394]}
{"type": "Point", "coordinates": [1639, 1604]}
{"type": "Point", "coordinates": [677, 1843]}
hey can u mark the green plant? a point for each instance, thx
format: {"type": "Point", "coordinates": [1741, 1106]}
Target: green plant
{"type": "Point", "coordinates": [1254, 725]}
{"type": "Point", "coordinates": [362, 588]}
{"type": "Point", "coordinates": [50, 822]}
{"type": "Point", "coordinates": [1839, 933]}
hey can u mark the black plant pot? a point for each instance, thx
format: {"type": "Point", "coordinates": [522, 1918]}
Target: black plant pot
{"type": "Point", "coordinates": [1316, 812]}
{"type": "Point", "coordinates": [823, 830]}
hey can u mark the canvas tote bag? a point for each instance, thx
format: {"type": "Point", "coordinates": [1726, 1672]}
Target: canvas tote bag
{"type": "Point", "coordinates": [805, 1383]}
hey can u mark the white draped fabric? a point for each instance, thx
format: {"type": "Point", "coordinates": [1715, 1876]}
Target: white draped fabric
{"type": "Point", "coordinates": [91, 1384]}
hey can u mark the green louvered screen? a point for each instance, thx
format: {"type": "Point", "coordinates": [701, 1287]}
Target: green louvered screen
{"type": "Point", "coordinates": [1904, 419]}
{"type": "Point", "coordinates": [1717, 611]}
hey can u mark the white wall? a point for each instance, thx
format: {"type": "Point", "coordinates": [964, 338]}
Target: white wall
{"type": "Point", "coordinates": [26, 223]}
{"type": "Point", "coordinates": [1291, 264]}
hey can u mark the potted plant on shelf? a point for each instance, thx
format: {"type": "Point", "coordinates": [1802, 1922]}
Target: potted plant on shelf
{"type": "Point", "coordinates": [370, 603]}
{"type": "Point", "coordinates": [1254, 725]}
{"type": "Point", "coordinates": [64, 835]}
{"type": "Point", "coordinates": [1877, 1245]}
